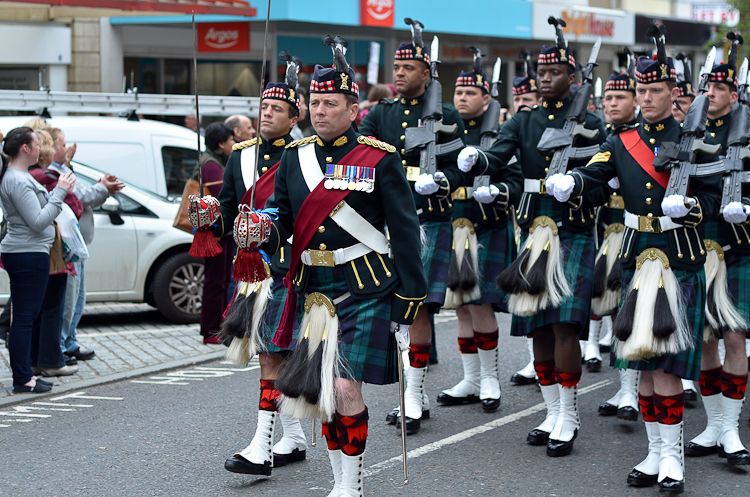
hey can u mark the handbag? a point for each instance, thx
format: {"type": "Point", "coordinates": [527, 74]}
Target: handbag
{"type": "Point", "coordinates": [181, 220]}
{"type": "Point", "coordinates": [74, 246]}
{"type": "Point", "coordinates": [56, 259]}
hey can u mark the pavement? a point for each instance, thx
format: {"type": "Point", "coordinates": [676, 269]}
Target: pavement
{"type": "Point", "coordinates": [129, 340]}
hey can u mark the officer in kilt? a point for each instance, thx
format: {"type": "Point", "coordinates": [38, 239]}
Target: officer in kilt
{"type": "Point", "coordinates": [388, 122]}
{"type": "Point", "coordinates": [526, 97]}
{"type": "Point", "coordinates": [279, 113]}
{"type": "Point", "coordinates": [620, 102]}
{"type": "Point", "coordinates": [351, 286]}
{"type": "Point", "coordinates": [483, 232]}
{"type": "Point", "coordinates": [659, 326]}
{"type": "Point", "coordinates": [557, 235]}
{"type": "Point", "coordinates": [727, 240]}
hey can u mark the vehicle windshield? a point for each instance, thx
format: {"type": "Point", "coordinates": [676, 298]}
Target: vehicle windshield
{"type": "Point", "coordinates": [92, 175]}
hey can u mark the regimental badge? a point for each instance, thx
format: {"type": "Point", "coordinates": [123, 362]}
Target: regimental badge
{"type": "Point", "coordinates": [659, 127]}
{"type": "Point", "coordinates": [631, 81]}
{"type": "Point", "coordinates": [413, 101]}
{"type": "Point", "coordinates": [344, 81]}
{"type": "Point", "coordinates": [340, 141]}
{"type": "Point", "coordinates": [419, 52]}
{"type": "Point", "coordinates": [689, 87]}
{"type": "Point", "coordinates": [279, 143]}
{"type": "Point", "coordinates": [343, 177]}
{"type": "Point", "coordinates": [479, 79]}
{"type": "Point", "coordinates": [720, 122]}
{"type": "Point", "coordinates": [664, 73]}
{"type": "Point", "coordinates": [730, 73]}
{"type": "Point", "coordinates": [563, 54]}
{"type": "Point", "coordinates": [558, 105]}
{"type": "Point", "coordinates": [291, 94]}
{"type": "Point", "coordinates": [533, 84]}
{"type": "Point", "coordinates": [472, 123]}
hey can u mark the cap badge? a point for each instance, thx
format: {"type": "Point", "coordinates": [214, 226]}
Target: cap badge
{"type": "Point", "coordinates": [344, 80]}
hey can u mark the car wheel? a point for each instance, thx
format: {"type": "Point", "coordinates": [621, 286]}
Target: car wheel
{"type": "Point", "coordinates": [178, 288]}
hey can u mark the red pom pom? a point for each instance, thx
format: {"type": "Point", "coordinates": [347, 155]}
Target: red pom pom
{"type": "Point", "coordinates": [249, 266]}
{"type": "Point", "coordinates": [204, 245]}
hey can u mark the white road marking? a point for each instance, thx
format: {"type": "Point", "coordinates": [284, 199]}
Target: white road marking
{"type": "Point", "coordinates": [82, 395]}
{"type": "Point", "coordinates": [477, 430]}
{"type": "Point", "coordinates": [63, 405]}
{"type": "Point", "coordinates": [163, 380]}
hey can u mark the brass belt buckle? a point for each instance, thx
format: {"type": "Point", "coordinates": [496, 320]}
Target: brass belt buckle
{"type": "Point", "coordinates": [615, 202]}
{"type": "Point", "coordinates": [648, 224]}
{"type": "Point", "coordinates": [322, 258]}
{"type": "Point", "coordinates": [459, 193]}
{"type": "Point", "coordinates": [412, 173]}
{"type": "Point", "coordinates": [543, 186]}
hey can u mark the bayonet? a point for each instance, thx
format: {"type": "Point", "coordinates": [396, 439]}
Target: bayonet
{"type": "Point", "coordinates": [496, 77]}
{"type": "Point", "coordinates": [434, 60]}
{"type": "Point", "coordinates": [598, 99]}
{"type": "Point", "coordinates": [708, 66]}
{"type": "Point", "coordinates": [742, 82]}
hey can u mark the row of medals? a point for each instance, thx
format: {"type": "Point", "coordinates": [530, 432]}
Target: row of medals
{"type": "Point", "coordinates": [338, 182]}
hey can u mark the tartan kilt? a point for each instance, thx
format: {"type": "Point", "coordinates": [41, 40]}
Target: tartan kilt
{"type": "Point", "coordinates": [578, 251]}
{"type": "Point", "coordinates": [496, 250]}
{"type": "Point", "coordinates": [436, 257]}
{"type": "Point", "coordinates": [366, 345]}
{"type": "Point", "coordinates": [738, 281]}
{"type": "Point", "coordinates": [686, 364]}
{"type": "Point", "coordinates": [273, 316]}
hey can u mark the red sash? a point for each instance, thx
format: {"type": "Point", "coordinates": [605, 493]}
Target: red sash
{"type": "Point", "coordinates": [643, 155]}
{"type": "Point", "coordinates": [312, 213]}
{"type": "Point", "coordinates": [263, 188]}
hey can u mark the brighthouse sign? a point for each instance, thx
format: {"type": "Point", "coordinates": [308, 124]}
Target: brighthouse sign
{"type": "Point", "coordinates": [222, 37]}
{"type": "Point", "coordinates": [584, 24]}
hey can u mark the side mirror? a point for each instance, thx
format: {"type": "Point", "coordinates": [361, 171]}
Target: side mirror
{"type": "Point", "coordinates": [112, 207]}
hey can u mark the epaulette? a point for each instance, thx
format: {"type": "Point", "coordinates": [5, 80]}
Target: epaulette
{"type": "Point", "coordinates": [365, 140]}
{"type": "Point", "coordinates": [621, 128]}
{"type": "Point", "coordinates": [244, 144]}
{"type": "Point", "coordinates": [297, 143]}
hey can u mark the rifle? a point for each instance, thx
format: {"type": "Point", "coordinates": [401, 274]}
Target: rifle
{"type": "Point", "coordinates": [737, 151]}
{"type": "Point", "coordinates": [681, 159]}
{"type": "Point", "coordinates": [424, 137]}
{"type": "Point", "coordinates": [561, 140]}
{"type": "Point", "coordinates": [491, 123]}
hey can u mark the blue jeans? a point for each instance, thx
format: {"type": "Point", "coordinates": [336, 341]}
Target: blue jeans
{"type": "Point", "coordinates": [75, 299]}
{"type": "Point", "coordinates": [28, 274]}
{"type": "Point", "coordinates": [45, 340]}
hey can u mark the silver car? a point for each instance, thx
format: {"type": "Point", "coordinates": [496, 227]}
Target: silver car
{"type": "Point", "coordinates": [137, 256]}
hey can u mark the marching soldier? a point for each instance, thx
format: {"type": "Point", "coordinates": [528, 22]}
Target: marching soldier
{"type": "Point", "coordinates": [483, 232]}
{"type": "Point", "coordinates": [660, 324]}
{"type": "Point", "coordinates": [723, 388]}
{"type": "Point", "coordinates": [279, 113]}
{"type": "Point", "coordinates": [388, 122]}
{"type": "Point", "coordinates": [558, 248]}
{"type": "Point", "coordinates": [351, 285]}
{"type": "Point", "coordinates": [620, 100]}
{"type": "Point", "coordinates": [686, 93]}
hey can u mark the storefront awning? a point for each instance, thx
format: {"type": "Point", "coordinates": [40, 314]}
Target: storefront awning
{"type": "Point", "coordinates": [228, 7]}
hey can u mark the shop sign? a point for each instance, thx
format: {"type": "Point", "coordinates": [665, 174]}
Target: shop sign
{"type": "Point", "coordinates": [376, 13]}
{"type": "Point", "coordinates": [716, 14]}
{"type": "Point", "coordinates": [223, 37]}
{"type": "Point", "coordinates": [584, 25]}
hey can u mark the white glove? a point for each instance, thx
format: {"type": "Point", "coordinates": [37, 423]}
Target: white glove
{"type": "Point", "coordinates": [549, 185]}
{"type": "Point", "coordinates": [563, 187]}
{"type": "Point", "coordinates": [486, 194]}
{"type": "Point", "coordinates": [425, 185]}
{"type": "Point", "coordinates": [735, 212]}
{"type": "Point", "coordinates": [676, 206]}
{"type": "Point", "coordinates": [467, 158]}
{"type": "Point", "coordinates": [614, 183]}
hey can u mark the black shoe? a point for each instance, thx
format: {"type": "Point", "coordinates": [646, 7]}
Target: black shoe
{"type": "Point", "coordinates": [638, 479]}
{"type": "Point", "coordinates": [433, 361]}
{"type": "Point", "coordinates": [82, 354]}
{"type": "Point", "coordinates": [280, 460]}
{"type": "Point", "coordinates": [412, 425]}
{"type": "Point", "coordinates": [490, 405]}
{"type": "Point", "coordinates": [593, 365]}
{"type": "Point", "coordinates": [238, 464]}
{"type": "Point", "coordinates": [627, 413]}
{"type": "Point", "coordinates": [44, 382]}
{"type": "Point", "coordinates": [739, 458]}
{"type": "Point", "coordinates": [447, 400]}
{"type": "Point", "coordinates": [607, 410]}
{"type": "Point", "coordinates": [518, 379]}
{"type": "Point", "coordinates": [691, 397]}
{"type": "Point", "coordinates": [670, 486]}
{"type": "Point", "coordinates": [695, 450]}
{"type": "Point", "coordinates": [38, 388]}
{"type": "Point", "coordinates": [392, 417]}
{"type": "Point", "coordinates": [537, 437]}
{"type": "Point", "coordinates": [557, 448]}
{"type": "Point", "coordinates": [604, 348]}
{"type": "Point", "coordinates": [70, 360]}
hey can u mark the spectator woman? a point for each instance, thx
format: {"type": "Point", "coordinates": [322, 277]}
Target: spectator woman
{"type": "Point", "coordinates": [217, 270]}
{"type": "Point", "coordinates": [30, 212]}
{"type": "Point", "coordinates": [375, 95]}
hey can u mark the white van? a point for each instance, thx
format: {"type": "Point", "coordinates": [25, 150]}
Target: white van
{"type": "Point", "coordinates": [156, 156]}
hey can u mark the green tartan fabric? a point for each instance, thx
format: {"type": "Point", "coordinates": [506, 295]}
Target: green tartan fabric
{"type": "Point", "coordinates": [273, 316]}
{"type": "Point", "coordinates": [685, 364]}
{"type": "Point", "coordinates": [578, 253]}
{"type": "Point", "coordinates": [738, 282]}
{"type": "Point", "coordinates": [366, 345]}
{"type": "Point", "coordinates": [496, 250]}
{"type": "Point", "coordinates": [436, 257]}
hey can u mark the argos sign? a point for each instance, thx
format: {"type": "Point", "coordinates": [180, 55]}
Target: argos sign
{"type": "Point", "coordinates": [224, 37]}
{"type": "Point", "coordinates": [376, 13]}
